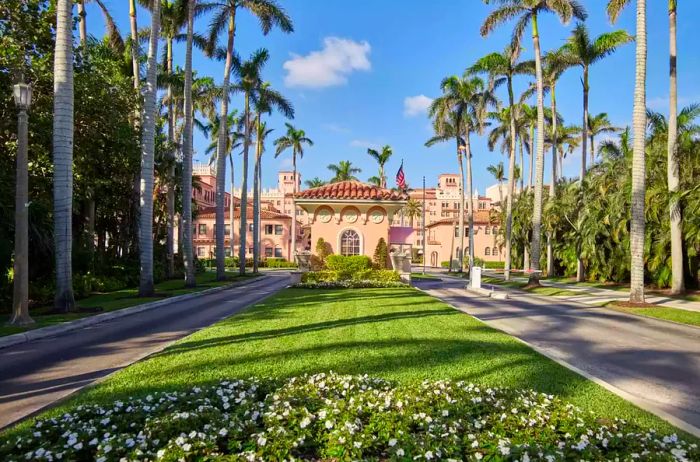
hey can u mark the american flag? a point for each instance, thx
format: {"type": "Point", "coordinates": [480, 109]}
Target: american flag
{"type": "Point", "coordinates": [400, 178]}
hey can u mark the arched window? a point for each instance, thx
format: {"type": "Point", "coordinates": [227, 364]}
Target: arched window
{"type": "Point", "coordinates": [495, 230]}
{"type": "Point", "coordinates": [349, 243]}
{"type": "Point", "coordinates": [487, 230]}
{"type": "Point", "coordinates": [495, 252]}
{"type": "Point", "coordinates": [487, 252]}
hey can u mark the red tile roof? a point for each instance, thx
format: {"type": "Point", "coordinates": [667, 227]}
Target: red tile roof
{"type": "Point", "coordinates": [210, 212]}
{"type": "Point", "coordinates": [351, 190]}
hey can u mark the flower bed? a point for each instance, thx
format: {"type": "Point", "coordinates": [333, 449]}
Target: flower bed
{"type": "Point", "coordinates": [333, 417]}
{"type": "Point", "coordinates": [350, 284]}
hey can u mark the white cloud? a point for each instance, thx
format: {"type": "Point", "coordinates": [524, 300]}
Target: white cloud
{"type": "Point", "coordinates": [329, 66]}
{"type": "Point", "coordinates": [335, 128]}
{"type": "Point", "coordinates": [364, 144]}
{"type": "Point", "coordinates": [415, 105]}
{"type": "Point", "coordinates": [660, 103]}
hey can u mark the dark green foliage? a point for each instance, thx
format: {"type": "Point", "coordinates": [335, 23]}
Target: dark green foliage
{"type": "Point", "coordinates": [381, 253]}
{"type": "Point", "coordinates": [347, 266]}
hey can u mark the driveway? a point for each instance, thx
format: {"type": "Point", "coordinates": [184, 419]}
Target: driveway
{"type": "Point", "coordinates": [653, 363]}
{"type": "Point", "coordinates": [37, 374]}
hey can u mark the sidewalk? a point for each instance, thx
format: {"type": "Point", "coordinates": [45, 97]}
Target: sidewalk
{"type": "Point", "coordinates": [598, 296]}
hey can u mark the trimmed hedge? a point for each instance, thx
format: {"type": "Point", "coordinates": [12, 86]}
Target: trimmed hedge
{"type": "Point", "coordinates": [314, 277]}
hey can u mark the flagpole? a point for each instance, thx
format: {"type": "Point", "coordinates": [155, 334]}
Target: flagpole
{"type": "Point", "coordinates": [423, 226]}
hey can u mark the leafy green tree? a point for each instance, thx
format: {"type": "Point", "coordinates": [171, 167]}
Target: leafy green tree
{"type": "Point", "coordinates": [295, 139]}
{"type": "Point", "coordinates": [381, 157]}
{"type": "Point", "coordinates": [315, 182]}
{"type": "Point", "coordinates": [344, 171]}
{"type": "Point", "coordinates": [597, 124]}
{"type": "Point", "coordinates": [381, 253]}
{"type": "Point", "coordinates": [187, 149]}
{"type": "Point", "coordinates": [413, 209]}
{"type": "Point", "coordinates": [499, 174]}
{"type": "Point", "coordinates": [527, 12]}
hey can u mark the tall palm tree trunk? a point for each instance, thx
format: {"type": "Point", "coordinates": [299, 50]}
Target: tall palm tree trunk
{"type": "Point", "coordinates": [147, 156]}
{"type": "Point", "coordinates": [186, 219]}
{"type": "Point", "coordinates": [580, 271]}
{"type": "Point", "coordinates": [677, 282]}
{"type": "Point", "coordinates": [452, 245]}
{"type": "Point", "coordinates": [592, 150]}
{"type": "Point", "coordinates": [63, 156]}
{"type": "Point", "coordinates": [134, 45]}
{"type": "Point", "coordinates": [638, 158]}
{"type": "Point", "coordinates": [522, 165]}
{"type": "Point", "coordinates": [536, 241]}
{"type": "Point", "coordinates": [470, 201]}
{"type": "Point", "coordinates": [221, 153]}
{"type": "Point", "coordinates": [293, 250]}
{"type": "Point", "coordinates": [532, 156]}
{"type": "Point", "coordinates": [136, 119]}
{"type": "Point", "coordinates": [82, 26]}
{"type": "Point", "coordinates": [232, 208]}
{"type": "Point", "coordinates": [552, 187]}
{"type": "Point", "coordinates": [462, 193]}
{"type": "Point", "coordinates": [170, 193]}
{"type": "Point", "coordinates": [511, 184]}
{"type": "Point", "coordinates": [256, 198]}
{"type": "Point", "coordinates": [244, 190]}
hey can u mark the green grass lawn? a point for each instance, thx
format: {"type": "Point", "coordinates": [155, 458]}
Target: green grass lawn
{"type": "Point", "coordinates": [551, 291]}
{"type": "Point", "coordinates": [111, 301]}
{"type": "Point", "coordinates": [691, 318]}
{"type": "Point", "coordinates": [399, 334]}
{"type": "Point", "coordinates": [423, 276]}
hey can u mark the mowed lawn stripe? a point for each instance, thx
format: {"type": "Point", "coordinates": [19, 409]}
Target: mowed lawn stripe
{"type": "Point", "coordinates": [400, 334]}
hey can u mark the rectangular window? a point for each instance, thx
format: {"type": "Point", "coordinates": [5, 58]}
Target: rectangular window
{"type": "Point", "coordinates": [227, 229]}
{"type": "Point", "coordinates": [250, 251]}
{"type": "Point", "coordinates": [268, 252]}
{"type": "Point", "coordinates": [250, 227]}
{"type": "Point", "coordinates": [200, 251]}
{"type": "Point", "coordinates": [278, 252]}
{"type": "Point", "coordinates": [278, 230]}
{"type": "Point", "coordinates": [487, 230]}
{"type": "Point", "coordinates": [202, 228]}
{"type": "Point", "coordinates": [227, 251]}
{"type": "Point", "coordinates": [269, 229]}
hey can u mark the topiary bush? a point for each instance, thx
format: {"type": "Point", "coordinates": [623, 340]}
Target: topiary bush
{"type": "Point", "coordinates": [346, 266]}
{"type": "Point", "coordinates": [381, 254]}
{"type": "Point", "coordinates": [335, 417]}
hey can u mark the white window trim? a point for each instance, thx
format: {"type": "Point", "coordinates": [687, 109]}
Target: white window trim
{"type": "Point", "coordinates": [359, 233]}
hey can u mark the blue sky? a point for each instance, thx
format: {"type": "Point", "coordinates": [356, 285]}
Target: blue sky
{"type": "Point", "coordinates": [359, 73]}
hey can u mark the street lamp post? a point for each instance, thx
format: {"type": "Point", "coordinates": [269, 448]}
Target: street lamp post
{"type": "Point", "coordinates": [20, 299]}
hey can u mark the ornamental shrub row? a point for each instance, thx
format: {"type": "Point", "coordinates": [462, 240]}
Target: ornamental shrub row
{"type": "Point", "coordinates": [337, 418]}
{"type": "Point", "coordinates": [361, 275]}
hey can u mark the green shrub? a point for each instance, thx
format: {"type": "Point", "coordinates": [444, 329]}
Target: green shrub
{"type": "Point", "coordinates": [339, 417]}
{"type": "Point", "coordinates": [381, 253]}
{"type": "Point", "coordinates": [365, 275]}
{"type": "Point", "coordinates": [494, 264]}
{"type": "Point", "coordinates": [445, 264]}
{"type": "Point", "coordinates": [323, 250]}
{"type": "Point", "coordinates": [277, 263]}
{"type": "Point", "coordinates": [347, 266]}
{"type": "Point", "coordinates": [320, 276]}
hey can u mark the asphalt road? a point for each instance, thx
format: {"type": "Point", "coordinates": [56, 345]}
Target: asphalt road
{"type": "Point", "coordinates": [655, 364]}
{"type": "Point", "coordinates": [37, 374]}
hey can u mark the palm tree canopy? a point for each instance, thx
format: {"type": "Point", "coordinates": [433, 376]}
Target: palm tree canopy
{"type": "Point", "coordinates": [295, 139]}
{"type": "Point", "coordinates": [375, 180]}
{"type": "Point", "coordinates": [600, 123]}
{"type": "Point", "coordinates": [268, 99]}
{"type": "Point", "coordinates": [525, 10]}
{"type": "Point", "coordinates": [381, 157]}
{"type": "Point", "coordinates": [581, 50]}
{"type": "Point", "coordinates": [343, 171]}
{"type": "Point", "coordinates": [315, 182]}
{"type": "Point", "coordinates": [498, 171]}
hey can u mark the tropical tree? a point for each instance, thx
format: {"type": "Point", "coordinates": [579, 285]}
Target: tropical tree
{"type": "Point", "coordinates": [583, 51]}
{"type": "Point", "coordinates": [381, 158]}
{"type": "Point", "coordinates": [294, 139]}
{"type": "Point", "coordinates": [499, 174]}
{"type": "Point", "coordinates": [111, 30]}
{"type": "Point", "coordinates": [413, 209]}
{"type": "Point", "coordinates": [135, 58]}
{"type": "Point", "coordinates": [315, 182]}
{"type": "Point", "coordinates": [501, 69]}
{"type": "Point", "coordinates": [375, 180]}
{"type": "Point", "coordinates": [638, 191]}
{"type": "Point", "coordinates": [344, 171]}
{"type": "Point", "coordinates": [261, 133]}
{"type": "Point", "coordinates": [63, 156]}
{"type": "Point", "coordinates": [597, 124]}
{"type": "Point", "coordinates": [148, 134]}
{"type": "Point", "coordinates": [249, 82]}
{"type": "Point", "coordinates": [673, 163]}
{"type": "Point", "coordinates": [269, 14]}
{"type": "Point", "coordinates": [187, 148]}
{"type": "Point", "coordinates": [527, 12]}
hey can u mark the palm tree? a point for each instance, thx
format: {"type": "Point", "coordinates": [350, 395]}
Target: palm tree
{"type": "Point", "coordinates": [135, 60]}
{"type": "Point", "coordinates": [187, 148]}
{"type": "Point", "coordinates": [147, 158]}
{"type": "Point", "coordinates": [413, 209]}
{"type": "Point", "coordinates": [63, 156]}
{"type": "Point", "coordinates": [498, 172]}
{"type": "Point", "coordinates": [501, 68]}
{"type": "Point", "coordinates": [673, 167]}
{"type": "Point", "coordinates": [269, 14]}
{"type": "Point", "coordinates": [375, 180]}
{"type": "Point", "coordinates": [527, 11]}
{"type": "Point", "coordinates": [598, 124]}
{"type": "Point", "coordinates": [583, 51]}
{"type": "Point", "coordinates": [638, 158]}
{"type": "Point", "coordinates": [343, 171]}
{"type": "Point", "coordinates": [294, 139]}
{"type": "Point", "coordinates": [111, 30]}
{"type": "Point", "coordinates": [315, 182]}
{"type": "Point", "coordinates": [381, 158]}
{"type": "Point", "coordinates": [261, 132]}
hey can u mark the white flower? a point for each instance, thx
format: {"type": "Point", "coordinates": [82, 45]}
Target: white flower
{"type": "Point", "coordinates": [478, 456]}
{"type": "Point", "coordinates": [160, 453]}
{"type": "Point", "coordinates": [329, 424]}
{"type": "Point", "coordinates": [262, 441]}
{"type": "Point", "coordinates": [78, 446]}
{"type": "Point", "coordinates": [392, 442]}
{"type": "Point", "coordinates": [399, 452]}
{"type": "Point", "coordinates": [186, 447]}
{"type": "Point", "coordinates": [223, 432]}
{"type": "Point", "coordinates": [93, 442]}
{"type": "Point", "coordinates": [357, 444]}
{"type": "Point", "coordinates": [475, 444]}
{"type": "Point", "coordinates": [99, 459]}
{"type": "Point", "coordinates": [305, 422]}
{"type": "Point", "coordinates": [428, 455]}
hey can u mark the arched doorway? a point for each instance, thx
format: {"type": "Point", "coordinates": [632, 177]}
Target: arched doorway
{"type": "Point", "coordinates": [434, 259]}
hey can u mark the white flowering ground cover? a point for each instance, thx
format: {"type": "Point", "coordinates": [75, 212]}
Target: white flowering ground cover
{"type": "Point", "coordinates": [340, 417]}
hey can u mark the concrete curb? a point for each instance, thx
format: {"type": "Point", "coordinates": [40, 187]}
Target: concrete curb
{"type": "Point", "coordinates": [51, 331]}
{"type": "Point", "coordinates": [649, 407]}
{"type": "Point", "coordinates": [488, 293]}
